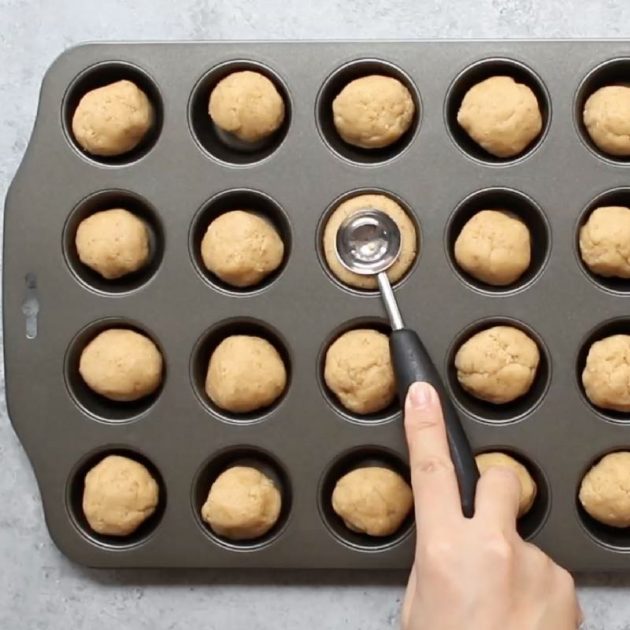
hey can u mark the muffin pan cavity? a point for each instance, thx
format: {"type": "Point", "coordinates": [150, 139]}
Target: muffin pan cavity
{"type": "Point", "coordinates": [252, 458]}
{"type": "Point", "coordinates": [206, 345]}
{"type": "Point", "coordinates": [250, 201]}
{"type": "Point", "coordinates": [224, 146]}
{"type": "Point", "coordinates": [611, 72]}
{"type": "Point", "coordinates": [99, 75]}
{"type": "Point", "coordinates": [614, 197]}
{"type": "Point", "coordinates": [480, 71]}
{"type": "Point", "coordinates": [521, 206]}
{"type": "Point", "coordinates": [107, 200]}
{"type": "Point", "coordinates": [74, 501]}
{"type": "Point", "coordinates": [324, 111]}
{"type": "Point", "coordinates": [359, 458]}
{"type": "Point", "coordinates": [97, 406]}
{"type": "Point", "coordinates": [506, 412]}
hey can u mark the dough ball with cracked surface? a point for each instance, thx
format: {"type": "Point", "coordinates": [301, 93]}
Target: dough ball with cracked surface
{"type": "Point", "coordinates": [242, 248]}
{"type": "Point", "coordinates": [121, 365]}
{"type": "Point", "coordinates": [605, 490]}
{"type": "Point", "coordinates": [242, 504]}
{"type": "Point", "coordinates": [113, 243]}
{"type": "Point", "coordinates": [607, 119]}
{"type": "Point", "coordinates": [373, 111]}
{"type": "Point", "coordinates": [605, 242]}
{"type": "Point", "coordinates": [501, 115]}
{"type": "Point", "coordinates": [606, 375]}
{"type": "Point", "coordinates": [113, 119]}
{"type": "Point", "coordinates": [495, 247]}
{"type": "Point", "coordinates": [245, 373]}
{"type": "Point", "coordinates": [409, 239]}
{"type": "Point", "coordinates": [247, 105]}
{"type": "Point", "coordinates": [372, 500]}
{"type": "Point", "coordinates": [118, 496]}
{"type": "Point", "coordinates": [358, 369]}
{"type": "Point", "coordinates": [498, 364]}
{"type": "Point", "coordinates": [529, 490]}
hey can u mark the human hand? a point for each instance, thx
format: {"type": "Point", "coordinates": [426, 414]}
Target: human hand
{"type": "Point", "coordinates": [474, 573]}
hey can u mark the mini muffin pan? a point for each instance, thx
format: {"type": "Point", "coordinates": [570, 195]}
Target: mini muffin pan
{"type": "Point", "coordinates": [183, 174]}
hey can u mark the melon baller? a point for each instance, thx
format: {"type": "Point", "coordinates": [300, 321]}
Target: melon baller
{"type": "Point", "coordinates": [368, 243]}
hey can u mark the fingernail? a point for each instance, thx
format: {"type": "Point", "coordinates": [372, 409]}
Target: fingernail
{"type": "Point", "coordinates": [420, 395]}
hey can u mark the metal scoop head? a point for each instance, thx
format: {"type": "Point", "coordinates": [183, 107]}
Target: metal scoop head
{"type": "Point", "coordinates": [368, 242]}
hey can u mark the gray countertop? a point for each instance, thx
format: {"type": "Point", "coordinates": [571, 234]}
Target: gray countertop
{"type": "Point", "coordinates": [39, 588]}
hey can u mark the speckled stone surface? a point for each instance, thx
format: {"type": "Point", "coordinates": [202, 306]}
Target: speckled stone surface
{"type": "Point", "coordinates": [39, 588]}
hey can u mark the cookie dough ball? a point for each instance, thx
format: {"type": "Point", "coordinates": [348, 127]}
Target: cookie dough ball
{"type": "Point", "coordinates": [501, 115]}
{"type": "Point", "coordinates": [121, 365]}
{"type": "Point", "coordinates": [605, 490]}
{"type": "Point", "coordinates": [372, 500]}
{"type": "Point", "coordinates": [529, 489]}
{"type": "Point", "coordinates": [606, 376]}
{"type": "Point", "coordinates": [245, 374]}
{"type": "Point", "coordinates": [242, 504]}
{"type": "Point", "coordinates": [113, 243]}
{"type": "Point", "coordinates": [247, 105]}
{"type": "Point", "coordinates": [605, 242]}
{"type": "Point", "coordinates": [241, 248]}
{"type": "Point", "coordinates": [607, 119]}
{"type": "Point", "coordinates": [373, 112]}
{"type": "Point", "coordinates": [498, 364]}
{"type": "Point", "coordinates": [494, 247]}
{"type": "Point", "coordinates": [409, 240]}
{"type": "Point", "coordinates": [358, 369]}
{"type": "Point", "coordinates": [113, 119]}
{"type": "Point", "coordinates": [119, 495]}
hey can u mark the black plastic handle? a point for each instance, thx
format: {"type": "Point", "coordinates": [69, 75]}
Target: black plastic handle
{"type": "Point", "coordinates": [412, 363]}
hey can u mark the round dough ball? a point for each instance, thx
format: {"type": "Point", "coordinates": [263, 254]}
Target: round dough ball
{"type": "Point", "coordinates": [408, 248]}
{"type": "Point", "coordinates": [607, 119]}
{"type": "Point", "coordinates": [529, 489]}
{"type": "Point", "coordinates": [245, 374]}
{"type": "Point", "coordinates": [605, 490]}
{"type": "Point", "coordinates": [606, 376]}
{"type": "Point", "coordinates": [605, 242]}
{"type": "Point", "coordinates": [113, 243]}
{"type": "Point", "coordinates": [501, 115]}
{"type": "Point", "coordinates": [494, 247]}
{"type": "Point", "coordinates": [498, 364]}
{"type": "Point", "coordinates": [241, 248]}
{"type": "Point", "coordinates": [358, 369]}
{"type": "Point", "coordinates": [119, 495]}
{"type": "Point", "coordinates": [121, 365]}
{"type": "Point", "coordinates": [372, 500]}
{"type": "Point", "coordinates": [113, 119]}
{"type": "Point", "coordinates": [242, 504]}
{"type": "Point", "coordinates": [373, 112]}
{"type": "Point", "coordinates": [247, 105]}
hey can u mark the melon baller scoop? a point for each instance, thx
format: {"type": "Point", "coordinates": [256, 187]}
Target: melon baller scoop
{"type": "Point", "coordinates": [368, 243]}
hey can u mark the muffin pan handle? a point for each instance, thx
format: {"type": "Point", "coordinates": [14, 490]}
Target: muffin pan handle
{"type": "Point", "coordinates": [412, 363]}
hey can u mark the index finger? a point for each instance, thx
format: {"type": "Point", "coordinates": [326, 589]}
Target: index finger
{"type": "Point", "coordinates": [436, 493]}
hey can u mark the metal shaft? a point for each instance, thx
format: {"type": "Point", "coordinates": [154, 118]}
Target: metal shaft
{"type": "Point", "coordinates": [391, 306]}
